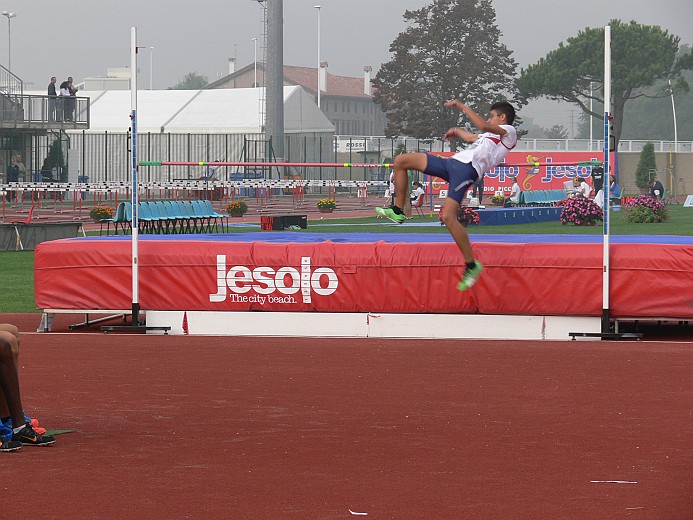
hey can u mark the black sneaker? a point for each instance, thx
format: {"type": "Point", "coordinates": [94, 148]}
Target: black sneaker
{"type": "Point", "coordinates": [10, 445]}
{"type": "Point", "coordinates": [28, 437]}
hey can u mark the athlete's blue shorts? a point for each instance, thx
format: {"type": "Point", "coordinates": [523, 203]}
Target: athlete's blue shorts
{"type": "Point", "coordinates": [459, 175]}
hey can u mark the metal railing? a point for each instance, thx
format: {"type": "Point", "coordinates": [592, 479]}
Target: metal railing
{"type": "Point", "coordinates": [104, 156]}
{"type": "Point", "coordinates": [387, 146]}
{"type": "Point", "coordinates": [44, 111]}
{"type": "Point", "coordinates": [10, 85]}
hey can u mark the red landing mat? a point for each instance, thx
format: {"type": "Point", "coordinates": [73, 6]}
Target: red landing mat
{"type": "Point", "coordinates": [217, 274]}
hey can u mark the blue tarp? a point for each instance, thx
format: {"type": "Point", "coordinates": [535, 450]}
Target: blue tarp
{"type": "Point", "coordinates": [303, 237]}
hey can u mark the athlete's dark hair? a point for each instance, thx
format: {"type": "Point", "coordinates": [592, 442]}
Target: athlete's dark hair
{"type": "Point", "coordinates": [503, 107]}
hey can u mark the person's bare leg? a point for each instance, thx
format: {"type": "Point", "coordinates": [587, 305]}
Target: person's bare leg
{"type": "Point", "coordinates": [12, 329]}
{"type": "Point", "coordinates": [403, 163]}
{"type": "Point", "coordinates": [457, 230]}
{"type": "Point", "coordinates": [9, 381]}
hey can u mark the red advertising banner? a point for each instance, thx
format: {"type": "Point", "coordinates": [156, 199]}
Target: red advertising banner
{"type": "Point", "coordinates": [530, 177]}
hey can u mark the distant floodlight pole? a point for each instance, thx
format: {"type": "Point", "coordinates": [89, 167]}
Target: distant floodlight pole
{"type": "Point", "coordinates": [676, 144]}
{"type": "Point", "coordinates": [673, 110]}
{"type": "Point", "coordinates": [9, 38]}
{"type": "Point", "coordinates": [254, 62]}
{"type": "Point", "coordinates": [591, 116]}
{"type": "Point", "coordinates": [318, 8]}
{"type": "Point", "coordinates": [151, 67]}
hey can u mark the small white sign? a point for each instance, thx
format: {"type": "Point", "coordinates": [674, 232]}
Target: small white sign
{"type": "Point", "coordinates": [689, 202]}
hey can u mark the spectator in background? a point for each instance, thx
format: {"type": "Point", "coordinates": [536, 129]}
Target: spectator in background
{"type": "Point", "coordinates": [598, 183]}
{"type": "Point", "coordinates": [582, 188]}
{"type": "Point", "coordinates": [417, 193]}
{"type": "Point", "coordinates": [68, 92]}
{"type": "Point", "coordinates": [614, 191]}
{"type": "Point", "coordinates": [13, 170]}
{"type": "Point", "coordinates": [656, 189]}
{"type": "Point", "coordinates": [12, 176]}
{"type": "Point", "coordinates": [390, 191]}
{"type": "Point", "coordinates": [21, 167]}
{"type": "Point", "coordinates": [46, 171]}
{"type": "Point", "coordinates": [597, 178]}
{"type": "Point", "coordinates": [514, 194]}
{"type": "Point", "coordinates": [478, 187]}
{"type": "Point", "coordinates": [52, 95]}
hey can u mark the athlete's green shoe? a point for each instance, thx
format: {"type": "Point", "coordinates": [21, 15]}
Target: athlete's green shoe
{"type": "Point", "coordinates": [390, 214]}
{"type": "Point", "coordinates": [470, 276]}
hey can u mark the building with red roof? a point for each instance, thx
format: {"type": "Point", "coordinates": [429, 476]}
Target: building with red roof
{"type": "Point", "coordinates": [346, 101]}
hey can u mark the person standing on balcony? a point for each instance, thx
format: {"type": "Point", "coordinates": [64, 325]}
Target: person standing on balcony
{"type": "Point", "coordinates": [68, 92]}
{"type": "Point", "coordinates": [52, 94]}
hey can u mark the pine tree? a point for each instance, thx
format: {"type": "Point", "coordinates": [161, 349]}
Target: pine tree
{"type": "Point", "coordinates": [646, 165]}
{"type": "Point", "coordinates": [451, 48]}
{"type": "Point", "coordinates": [640, 55]}
{"type": "Point", "coordinates": [56, 158]}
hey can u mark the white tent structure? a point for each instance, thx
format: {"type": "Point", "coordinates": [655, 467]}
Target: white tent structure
{"type": "Point", "coordinates": [191, 125]}
{"type": "Point", "coordinates": [218, 111]}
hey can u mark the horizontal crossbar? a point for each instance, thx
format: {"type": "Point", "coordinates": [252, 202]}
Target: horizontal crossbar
{"type": "Point", "coordinates": [339, 165]}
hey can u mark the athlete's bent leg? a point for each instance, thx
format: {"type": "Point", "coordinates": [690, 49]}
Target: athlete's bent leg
{"type": "Point", "coordinates": [404, 162]}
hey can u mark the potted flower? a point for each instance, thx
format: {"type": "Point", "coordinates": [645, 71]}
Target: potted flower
{"type": "Point", "coordinates": [99, 213]}
{"type": "Point", "coordinates": [237, 208]}
{"type": "Point", "coordinates": [581, 212]}
{"type": "Point", "coordinates": [327, 205]}
{"type": "Point", "coordinates": [465, 215]}
{"type": "Point", "coordinates": [645, 209]}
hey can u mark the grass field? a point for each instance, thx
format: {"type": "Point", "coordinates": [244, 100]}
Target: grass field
{"type": "Point", "coordinates": [17, 281]}
{"type": "Point", "coordinates": [17, 268]}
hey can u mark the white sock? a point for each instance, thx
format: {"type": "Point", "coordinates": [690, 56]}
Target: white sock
{"type": "Point", "coordinates": [18, 428]}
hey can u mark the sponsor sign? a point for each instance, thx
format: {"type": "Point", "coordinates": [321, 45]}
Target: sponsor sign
{"type": "Point", "coordinates": [530, 177]}
{"type": "Point", "coordinates": [285, 285]}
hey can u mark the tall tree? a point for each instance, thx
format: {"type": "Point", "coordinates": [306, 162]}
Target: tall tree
{"type": "Point", "coordinates": [191, 81]}
{"type": "Point", "coordinates": [647, 166]}
{"type": "Point", "coordinates": [557, 132]}
{"type": "Point", "coordinates": [451, 48]}
{"type": "Point", "coordinates": [640, 55]}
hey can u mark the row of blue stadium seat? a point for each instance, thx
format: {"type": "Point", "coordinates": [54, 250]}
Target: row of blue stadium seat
{"type": "Point", "coordinates": [541, 197]}
{"type": "Point", "coordinates": [166, 216]}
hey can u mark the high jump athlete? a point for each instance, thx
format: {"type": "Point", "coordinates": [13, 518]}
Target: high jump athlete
{"type": "Point", "coordinates": [489, 147]}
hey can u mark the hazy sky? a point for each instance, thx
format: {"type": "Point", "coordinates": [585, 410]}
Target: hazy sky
{"type": "Point", "coordinates": [83, 38]}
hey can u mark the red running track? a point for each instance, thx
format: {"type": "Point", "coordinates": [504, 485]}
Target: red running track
{"type": "Point", "coordinates": [265, 428]}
